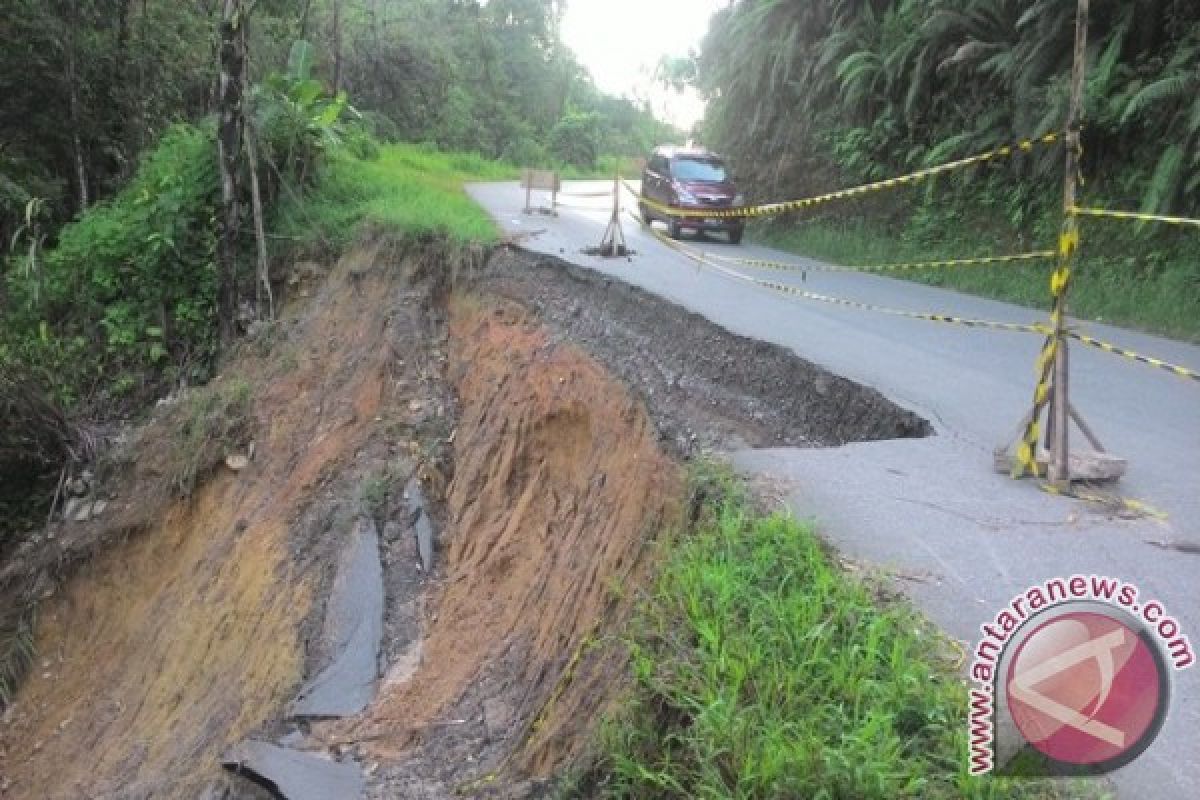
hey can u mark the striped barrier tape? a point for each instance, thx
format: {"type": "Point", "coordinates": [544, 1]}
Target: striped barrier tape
{"type": "Point", "coordinates": [1045, 359]}
{"type": "Point", "coordinates": [1036, 255]}
{"type": "Point", "coordinates": [1132, 215]}
{"type": "Point", "coordinates": [605, 193]}
{"type": "Point", "coordinates": [771, 209]}
{"type": "Point", "coordinates": [1182, 372]}
{"type": "Point", "coordinates": [840, 301]}
{"type": "Point", "coordinates": [1026, 462]}
{"type": "Point", "coordinates": [1079, 493]}
{"type": "Point", "coordinates": [1115, 502]}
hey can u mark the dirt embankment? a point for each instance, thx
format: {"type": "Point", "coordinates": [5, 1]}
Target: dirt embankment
{"type": "Point", "coordinates": [543, 409]}
{"type": "Point", "coordinates": [185, 628]}
{"type": "Point", "coordinates": [559, 485]}
{"type": "Point", "coordinates": [706, 388]}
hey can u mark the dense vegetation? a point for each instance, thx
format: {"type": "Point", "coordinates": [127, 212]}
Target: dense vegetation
{"type": "Point", "coordinates": [134, 246]}
{"type": "Point", "coordinates": [89, 85]}
{"type": "Point", "coordinates": [763, 670]}
{"type": "Point", "coordinates": [811, 96]}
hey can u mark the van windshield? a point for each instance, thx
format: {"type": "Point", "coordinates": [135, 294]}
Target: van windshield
{"type": "Point", "coordinates": [698, 169]}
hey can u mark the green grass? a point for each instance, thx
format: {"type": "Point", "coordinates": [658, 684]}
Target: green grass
{"type": "Point", "coordinates": [762, 670]}
{"type": "Point", "coordinates": [1117, 279]}
{"type": "Point", "coordinates": [411, 188]}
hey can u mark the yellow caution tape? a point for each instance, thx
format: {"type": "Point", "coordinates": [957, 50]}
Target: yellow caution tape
{"type": "Point", "coordinates": [796, 292]}
{"type": "Point", "coordinates": [1037, 255]}
{"type": "Point", "coordinates": [606, 193]}
{"type": "Point", "coordinates": [584, 206]}
{"type": "Point", "coordinates": [1045, 361]}
{"type": "Point", "coordinates": [1182, 372]}
{"type": "Point", "coordinates": [1112, 501]}
{"type": "Point", "coordinates": [771, 209]}
{"type": "Point", "coordinates": [1132, 215]}
{"type": "Point", "coordinates": [1026, 462]}
{"type": "Point", "coordinates": [1068, 243]}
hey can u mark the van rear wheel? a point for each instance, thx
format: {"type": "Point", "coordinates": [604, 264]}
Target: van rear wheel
{"type": "Point", "coordinates": [644, 213]}
{"type": "Point", "coordinates": [735, 235]}
{"type": "Point", "coordinates": [673, 229]}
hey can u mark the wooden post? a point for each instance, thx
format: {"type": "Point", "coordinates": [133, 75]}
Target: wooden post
{"type": "Point", "coordinates": [613, 244]}
{"type": "Point", "coordinates": [541, 179]}
{"type": "Point", "coordinates": [1060, 473]}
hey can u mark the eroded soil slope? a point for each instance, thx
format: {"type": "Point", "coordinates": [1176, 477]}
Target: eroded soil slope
{"type": "Point", "coordinates": [559, 486]}
{"type": "Point", "coordinates": [188, 630]}
{"type": "Point", "coordinates": [541, 408]}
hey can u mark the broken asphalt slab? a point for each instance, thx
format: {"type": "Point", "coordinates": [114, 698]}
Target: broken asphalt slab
{"type": "Point", "coordinates": [294, 774]}
{"type": "Point", "coordinates": [353, 631]}
{"type": "Point", "coordinates": [422, 524]}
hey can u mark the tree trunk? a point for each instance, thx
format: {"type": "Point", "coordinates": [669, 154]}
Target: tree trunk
{"type": "Point", "coordinates": [304, 19]}
{"type": "Point", "coordinates": [337, 46]}
{"type": "Point", "coordinates": [260, 235]}
{"type": "Point", "coordinates": [118, 93]}
{"type": "Point", "coordinates": [210, 11]}
{"type": "Point", "coordinates": [229, 145]}
{"type": "Point", "coordinates": [73, 105]}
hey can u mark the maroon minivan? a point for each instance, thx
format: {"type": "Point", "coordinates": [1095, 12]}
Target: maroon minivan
{"type": "Point", "coordinates": [690, 178]}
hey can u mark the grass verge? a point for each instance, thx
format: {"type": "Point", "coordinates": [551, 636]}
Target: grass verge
{"type": "Point", "coordinates": [762, 670]}
{"type": "Point", "coordinates": [1113, 283]}
{"type": "Point", "coordinates": [413, 188]}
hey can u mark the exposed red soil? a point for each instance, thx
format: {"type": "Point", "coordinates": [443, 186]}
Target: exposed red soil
{"type": "Point", "coordinates": [559, 484]}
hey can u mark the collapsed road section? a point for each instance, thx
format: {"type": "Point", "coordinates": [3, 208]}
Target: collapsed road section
{"type": "Point", "coordinates": [495, 447]}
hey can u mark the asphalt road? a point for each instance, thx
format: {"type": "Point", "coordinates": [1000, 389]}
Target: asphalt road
{"type": "Point", "coordinates": [961, 539]}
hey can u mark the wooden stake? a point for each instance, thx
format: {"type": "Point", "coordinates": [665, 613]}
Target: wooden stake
{"type": "Point", "coordinates": [1060, 473]}
{"type": "Point", "coordinates": [613, 243]}
{"type": "Point", "coordinates": [1087, 431]}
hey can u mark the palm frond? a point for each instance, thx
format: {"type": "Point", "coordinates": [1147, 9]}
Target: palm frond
{"type": "Point", "coordinates": [1158, 93]}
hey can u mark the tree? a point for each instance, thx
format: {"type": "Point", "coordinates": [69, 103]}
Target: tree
{"type": "Point", "coordinates": [576, 138]}
{"type": "Point", "coordinates": [808, 95]}
{"type": "Point", "coordinates": [229, 144]}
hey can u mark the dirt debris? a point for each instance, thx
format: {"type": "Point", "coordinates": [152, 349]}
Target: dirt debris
{"type": "Point", "coordinates": [707, 389]}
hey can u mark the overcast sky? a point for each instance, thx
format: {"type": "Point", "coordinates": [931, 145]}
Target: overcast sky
{"type": "Point", "coordinates": [621, 41]}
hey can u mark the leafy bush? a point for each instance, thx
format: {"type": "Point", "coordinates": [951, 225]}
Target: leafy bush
{"type": "Point", "coordinates": [295, 120]}
{"type": "Point", "coordinates": [129, 289]}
